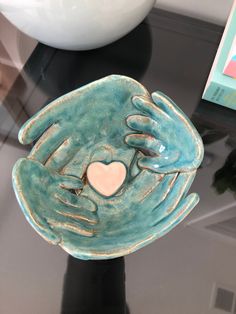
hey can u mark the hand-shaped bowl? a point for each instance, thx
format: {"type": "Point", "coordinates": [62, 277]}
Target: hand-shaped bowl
{"type": "Point", "coordinates": [114, 131]}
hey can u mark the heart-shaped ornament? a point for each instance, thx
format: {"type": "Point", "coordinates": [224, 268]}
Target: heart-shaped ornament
{"type": "Point", "coordinates": [106, 179]}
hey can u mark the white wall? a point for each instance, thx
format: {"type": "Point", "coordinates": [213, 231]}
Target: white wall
{"type": "Point", "coordinates": [215, 11]}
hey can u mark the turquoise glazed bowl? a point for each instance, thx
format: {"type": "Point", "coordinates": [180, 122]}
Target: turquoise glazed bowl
{"type": "Point", "coordinates": [110, 168]}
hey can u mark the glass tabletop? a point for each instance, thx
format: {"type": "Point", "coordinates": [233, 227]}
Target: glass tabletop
{"type": "Point", "coordinates": [189, 271]}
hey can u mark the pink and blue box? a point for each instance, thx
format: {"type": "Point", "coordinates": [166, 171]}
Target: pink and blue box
{"type": "Point", "coordinates": [221, 84]}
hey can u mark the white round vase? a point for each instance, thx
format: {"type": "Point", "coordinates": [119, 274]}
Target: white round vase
{"type": "Point", "coordinates": [76, 24]}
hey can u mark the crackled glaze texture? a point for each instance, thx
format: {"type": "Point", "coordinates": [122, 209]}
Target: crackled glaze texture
{"type": "Point", "coordinates": [113, 119]}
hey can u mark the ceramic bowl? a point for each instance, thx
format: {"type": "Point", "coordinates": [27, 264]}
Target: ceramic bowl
{"type": "Point", "coordinates": [110, 170]}
{"type": "Point", "coordinates": [76, 24]}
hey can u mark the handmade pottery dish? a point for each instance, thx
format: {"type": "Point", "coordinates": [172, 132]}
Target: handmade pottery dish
{"type": "Point", "coordinates": [76, 24]}
{"type": "Point", "coordinates": [110, 168]}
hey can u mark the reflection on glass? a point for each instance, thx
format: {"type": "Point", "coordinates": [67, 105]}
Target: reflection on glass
{"type": "Point", "coordinates": [216, 123]}
{"type": "Point", "coordinates": [50, 73]}
{"type": "Point", "coordinates": [225, 177]}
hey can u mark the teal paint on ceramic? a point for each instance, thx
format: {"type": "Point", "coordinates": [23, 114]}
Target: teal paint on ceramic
{"type": "Point", "coordinates": [114, 119]}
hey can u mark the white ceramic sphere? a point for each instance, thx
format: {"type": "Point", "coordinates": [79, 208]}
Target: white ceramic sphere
{"type": "Point", "coordinates": [76, 24]}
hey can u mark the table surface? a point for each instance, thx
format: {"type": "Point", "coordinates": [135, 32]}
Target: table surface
{"type": "Point", "coordinates": [190, 270]}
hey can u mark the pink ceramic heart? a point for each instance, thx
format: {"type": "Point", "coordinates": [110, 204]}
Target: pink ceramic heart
{"type": "Point", "coordinates": [106, 179]}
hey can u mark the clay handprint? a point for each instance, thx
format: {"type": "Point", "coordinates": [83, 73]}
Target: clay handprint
{"type": "Point", "coordinates": [167, 138]}
{"type": "Point", "coordinates": [48, 203]}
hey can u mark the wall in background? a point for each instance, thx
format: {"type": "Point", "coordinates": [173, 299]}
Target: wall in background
{"type": "Point", "coordinates": [215, 11]}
